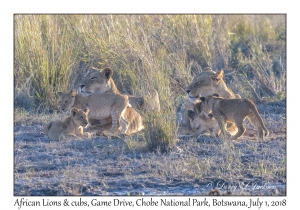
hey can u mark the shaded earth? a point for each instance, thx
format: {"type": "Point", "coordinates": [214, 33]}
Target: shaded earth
{"type": "Point", "coordinates": [124, 165]}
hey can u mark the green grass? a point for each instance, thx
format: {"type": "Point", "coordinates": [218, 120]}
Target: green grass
{"type": "Point", "coordinates": [148, 51]}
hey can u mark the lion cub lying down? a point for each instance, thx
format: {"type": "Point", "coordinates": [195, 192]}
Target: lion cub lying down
{"type": "Point", "coordinates": [101, 107]}
{"type": "Point", "coordinates": [234, 110]}
{"type": "Point", "coordinates": [203, 122]}
{"type": "Point", "coordinates": [132, 117]}
{"type": "Point", "coordinates": [70, 128]}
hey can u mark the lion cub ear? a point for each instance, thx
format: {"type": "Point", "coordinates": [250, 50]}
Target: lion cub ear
{"type": "Point", "coordinates": [191, 114]}
{"type": "Point", "coordinates": [74, 111]}
{"type": "Point", "coordinates": [202, 99]}
{"type": "Point", "coordinates": [219, 75]}
{"type": "Point", "coordinates": [73, 93]}
{"type": "Point", "coordinates": [107, 73]}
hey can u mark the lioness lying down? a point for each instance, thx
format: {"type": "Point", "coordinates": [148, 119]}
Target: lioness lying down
{"type": "Point", "coordinates": [204, 84]}
{"type": "Point", "coordinates": [207, 83]}
{"type": "Point", "coordinates": [234, 110]}
{"type": "Point", "coordinates": [98, 81]}
{"type": "Point", "coordinates": [101, 107]}
{"type": "Point", "coordinates": [70, 128]}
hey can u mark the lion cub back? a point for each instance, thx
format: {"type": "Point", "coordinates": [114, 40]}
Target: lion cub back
{"type": "Point", "coordinates": [134, 120]}
{"type": "Point", "coordinates": [71, 126]}
{"type": "Point", "coordinates": [234, 110]}
{"type": "Point", "coordinates": [55, 128]}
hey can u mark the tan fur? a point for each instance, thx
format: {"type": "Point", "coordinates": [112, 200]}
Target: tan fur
{"type": "Point", "coordinates": [133, 119]}
{"type": "Point", "coordinates": [207, 83]}
{"type": "Point", "coordinates": [100, 81]}
{"type": "Point", "coordinates": [101, 106]}
{"type": "Point", "coordinates": [234, 110]}
{"type": "Point", "coordinates": [203, 122]}
{"type": "Point", "coordinates": [70, 128]}
{"type": "Point", "coordinates": [200, 121]}
{"type": "Point", "coordinates": [204, 84]}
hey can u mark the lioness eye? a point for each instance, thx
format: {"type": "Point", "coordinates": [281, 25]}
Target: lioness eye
{"type": "Point", "coordinates": [199, 82]}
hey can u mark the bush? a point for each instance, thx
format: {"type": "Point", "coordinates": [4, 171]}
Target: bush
{"type": "Point", "coordinates": [149, 51]}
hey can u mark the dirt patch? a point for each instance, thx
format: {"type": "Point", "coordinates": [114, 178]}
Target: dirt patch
{"type": "Point", "coordinates": [101, 166]}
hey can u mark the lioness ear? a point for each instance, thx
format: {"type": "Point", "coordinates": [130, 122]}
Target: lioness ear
{"type": "Point", "coordinates": [202, 99]}
{"type": "Point", "coordinates": [74, 111]}
{"type": "Point", "coordinates": [107, 72]}
{"type": "Point", "coordinates": [87, 110]}
{"type": "Point", "coordinates": [191, 114]}
{"type": "Point", "coordinates": [216, 94]}
{"type": "Point", "coordinates": [73, 93]}
{"type": "Point", "coordinates": [219, 75]}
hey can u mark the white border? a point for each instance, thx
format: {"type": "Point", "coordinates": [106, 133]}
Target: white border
{"type": "Point", "coordinates": [154, 6]}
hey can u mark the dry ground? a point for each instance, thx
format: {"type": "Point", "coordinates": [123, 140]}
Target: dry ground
{"type": "Point", "coordinates": [123, 166]}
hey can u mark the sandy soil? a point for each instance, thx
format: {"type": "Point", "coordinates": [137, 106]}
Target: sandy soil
{"type": "Point", "coordinates": [123, 166]}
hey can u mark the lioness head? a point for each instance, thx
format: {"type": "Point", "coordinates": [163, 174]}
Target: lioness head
{"type": "Point", "coordinates": [201, 122]}
{"type": "Point", "coordinates": [66, 100]}
{"type": "Point", "coordinates": [96, 81]}
{"type": "Point", "coordinates": [204, 84]}
{"type": "Point", "coordinates": [80, 117]}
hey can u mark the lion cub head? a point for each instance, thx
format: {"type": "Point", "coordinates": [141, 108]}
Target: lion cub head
{"type": "Point", "coordinates": [80, 117]}
{"type": "Point", "coordinates": [205, 83]}
{"type": "Point", "coordinates": [208, 102]}
{"type": "Point", "coordinates": [201, 122]}
{"type": "Point", "coordinates": [97, 81]}
{"type": "Point", "coordinates": [66, 100]}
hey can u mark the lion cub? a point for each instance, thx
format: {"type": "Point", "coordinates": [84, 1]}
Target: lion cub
{"type": "Point", "coordinates": [133, 118]}
{"type": "Point", "coordinates": [234, 110]}
{"type": "Point", "coordinates": [202, 122]}
{"type": "Point", "coordinates": [101, 107]}
{"type": "Point", "coordinates": [70, 128]}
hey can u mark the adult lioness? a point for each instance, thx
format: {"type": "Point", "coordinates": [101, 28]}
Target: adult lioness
{"type": "Point", "coordinates": [100, 81]}
{"type": "Point", "coordinates": [204, 84]}
{"type": "Point", "coordinates": [101, 107]}
{"type": "Point", "coordinates": [234, 110]}
{"type": "Point", "coordinates": [70, 128]}
{"type": "Point", "coordinates": [207, 83]}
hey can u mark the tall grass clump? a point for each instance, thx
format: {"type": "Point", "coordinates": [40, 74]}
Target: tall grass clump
{"type": "Point", "coordinates": [160, 132]}
{"type": "Point", "coordinates": [148, 51]}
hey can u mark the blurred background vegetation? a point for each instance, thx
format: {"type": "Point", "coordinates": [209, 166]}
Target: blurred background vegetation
{"type": "Point", "coordinates": [160, 51]}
